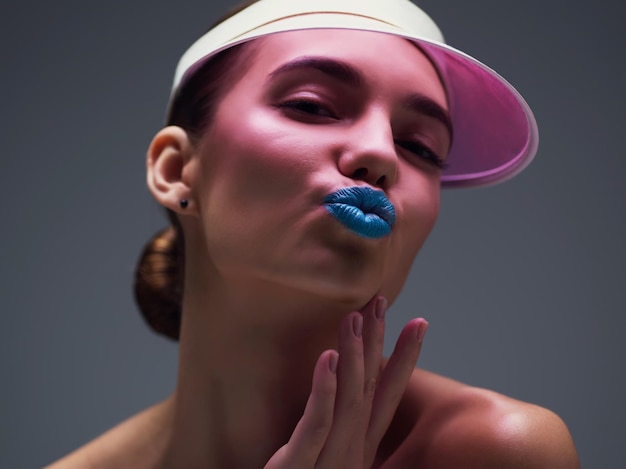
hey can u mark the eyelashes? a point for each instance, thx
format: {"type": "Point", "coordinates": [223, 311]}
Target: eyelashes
{"type": "Point", "coordinates": [423, 152]}
{"type": "Point", "coordinates": [316, 112]}
{"type": "Point", "coordinates": [308, 107]}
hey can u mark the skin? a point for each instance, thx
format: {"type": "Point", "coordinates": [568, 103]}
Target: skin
{"type": "Point", "coordinates": [281, 343]}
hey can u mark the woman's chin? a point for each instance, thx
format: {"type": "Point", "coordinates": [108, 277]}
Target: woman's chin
{"type": "Point", "coordinates": [350, 294]}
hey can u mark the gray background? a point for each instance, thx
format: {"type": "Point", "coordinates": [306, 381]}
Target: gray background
{"type": "Point", "coordinates": [523, 283]}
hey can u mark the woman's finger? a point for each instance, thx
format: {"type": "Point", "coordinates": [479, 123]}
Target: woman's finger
{"type": "Point", "coordinates": [373, 338]}
{"type": "Point", "coordinates": [348, 402]}
{"type": "Point", "coordinates": [311, 432]}
{"type": "Point", "coordinates": [393, 381]}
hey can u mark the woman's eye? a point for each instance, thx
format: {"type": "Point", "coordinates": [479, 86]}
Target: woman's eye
{"type": "Point", "coordinates": [423, 152]}
{"type": "Point", "coordinates": [308, 107]}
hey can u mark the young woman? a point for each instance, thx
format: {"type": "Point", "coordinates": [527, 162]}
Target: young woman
{"type": "Point", "coordinates": [301, 167]}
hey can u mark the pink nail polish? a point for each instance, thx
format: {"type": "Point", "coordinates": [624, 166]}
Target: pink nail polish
{"type": "Point", "coordinates": [332, 362]}
{"type": "Point", "coordinates": [421, 331]}
{"type": "Point", "coordinates": [381, 308]}
{"type": "Point", "coordinates": [357, 325]}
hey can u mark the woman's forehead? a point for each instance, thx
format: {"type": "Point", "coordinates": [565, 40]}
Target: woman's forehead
{"type": "Point", "coordinates": [344, 42]}
{"type": "Point", "coordinates": [372, 54]}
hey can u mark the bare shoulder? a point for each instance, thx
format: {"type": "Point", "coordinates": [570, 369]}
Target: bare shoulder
{"type": "Point", "coordinates": [132, 443]}
{"type": "Point", "coordinates": [454, 425]}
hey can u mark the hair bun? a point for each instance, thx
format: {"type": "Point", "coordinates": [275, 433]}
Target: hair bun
{"type": "Point", "coordinates": [158, 283]}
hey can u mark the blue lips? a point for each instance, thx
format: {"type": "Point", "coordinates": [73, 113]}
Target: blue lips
{"type": "Point", "coordinates": [367, 212]}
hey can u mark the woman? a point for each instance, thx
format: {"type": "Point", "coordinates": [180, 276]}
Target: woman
{"type": "Point", "coordinates": [301, 168]}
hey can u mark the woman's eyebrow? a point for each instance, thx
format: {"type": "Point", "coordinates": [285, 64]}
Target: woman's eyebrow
{"type": "Point", "coordinates": [337, 69]}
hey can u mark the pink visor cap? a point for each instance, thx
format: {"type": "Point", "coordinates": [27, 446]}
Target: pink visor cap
{"type": "Point", "coordinates": [495, 132]}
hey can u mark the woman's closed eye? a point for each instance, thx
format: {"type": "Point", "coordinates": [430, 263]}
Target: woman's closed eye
{"type": "Point", "coordinates": [308, 107]}
{"type": "Point", "coordinates": [422, 151]}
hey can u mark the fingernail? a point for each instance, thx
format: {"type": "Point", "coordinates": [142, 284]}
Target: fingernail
{"type": "Point", "coordinates": [332, 362]}
{"type": "Point", "coordinates": [421, 331]}
{"type": "Point", "coordinates": [381, 308]}
{"type": "Point", "coordinates": [357, 325]}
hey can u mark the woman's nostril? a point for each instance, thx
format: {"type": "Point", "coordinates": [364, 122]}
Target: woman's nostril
{"type": "Point", "coordinates": [380, 181]}
{"type": "Point", "coordinates": [360, 173]}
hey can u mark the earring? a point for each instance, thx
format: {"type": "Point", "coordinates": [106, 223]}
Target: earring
{"type": "Point", "coordinates": [184, 203]}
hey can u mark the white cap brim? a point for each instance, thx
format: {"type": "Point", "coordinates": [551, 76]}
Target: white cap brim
{"type": "Point", "coordinates": [495, 132]}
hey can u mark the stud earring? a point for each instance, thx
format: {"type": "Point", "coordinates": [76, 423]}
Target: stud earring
{"type": "Point", "coordinates": [184, 203]}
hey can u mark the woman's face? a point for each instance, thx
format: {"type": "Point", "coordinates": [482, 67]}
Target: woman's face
{"type": "Point", "coordinates": [318, 111]}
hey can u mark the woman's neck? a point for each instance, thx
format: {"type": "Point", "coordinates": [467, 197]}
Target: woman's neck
{"type": "Point", "coordinates": [245, 370]}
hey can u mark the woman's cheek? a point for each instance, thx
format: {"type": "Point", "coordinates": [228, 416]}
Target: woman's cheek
{"type": "Point", "coordinates": [417, 219]}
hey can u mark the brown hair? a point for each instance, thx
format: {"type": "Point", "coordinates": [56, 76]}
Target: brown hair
{"type": "Point", "coordinates": [159, 274]}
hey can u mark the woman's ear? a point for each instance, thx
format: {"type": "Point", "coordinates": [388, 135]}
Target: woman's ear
{"type": "Point", "coordinates": [169, 153]}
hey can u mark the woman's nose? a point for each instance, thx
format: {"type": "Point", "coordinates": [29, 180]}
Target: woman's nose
{"type": "Point", "coordinates": [370, 154]}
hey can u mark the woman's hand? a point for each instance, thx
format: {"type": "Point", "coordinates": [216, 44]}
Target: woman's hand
{"type": "Point", "coordinates": [352, 400]}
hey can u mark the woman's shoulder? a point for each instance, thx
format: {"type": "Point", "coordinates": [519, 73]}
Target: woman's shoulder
{"type": "Point", "coordinates": [133, 443]}
{"type": "Point", "coordinates": [442, 423]}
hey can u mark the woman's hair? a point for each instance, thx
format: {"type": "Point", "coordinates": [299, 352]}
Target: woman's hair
{"type": "Point", "coordinates": [159, 274]}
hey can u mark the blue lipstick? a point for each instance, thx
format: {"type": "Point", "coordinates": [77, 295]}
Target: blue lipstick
{"type": "Point", "coordinates": [366, 211]}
